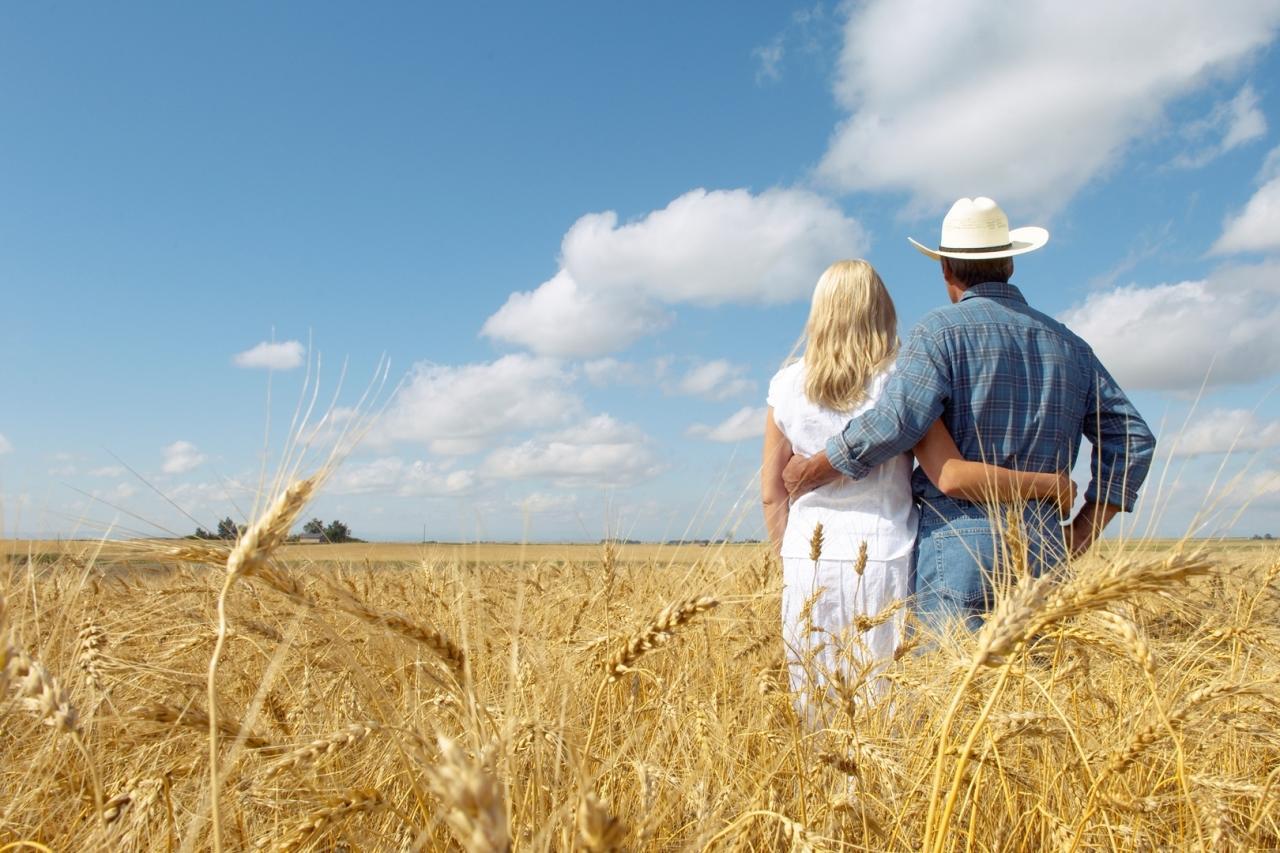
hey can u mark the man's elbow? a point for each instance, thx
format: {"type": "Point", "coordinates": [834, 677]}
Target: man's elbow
{"type": "Point", "coordinates": [1147, 445]}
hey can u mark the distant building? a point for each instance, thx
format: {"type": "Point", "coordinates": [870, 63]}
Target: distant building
{"type": "Point", "coordinates": [310, 539]}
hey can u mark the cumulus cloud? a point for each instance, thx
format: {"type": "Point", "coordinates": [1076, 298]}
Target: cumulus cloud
{"type": "Point", "coordinates": [715, 380]}
{"type": "Point", "coordinates": [282, 355]}
{"type": "Point", "coordinates": [705, 247]}
{"type": "Point", "coordinates": [1227, 431]}
{"type": "Point", "coordinates": [563, 318]}
{"type": "Point", "coordinates": [746, 423]}
{"type": "Point", "coordinates": [461, 409]}
{"type": "Point", "coordinates": [1256, 228]}
{"type": "Point", "coordinates": [600, 451]}
{"type": "Point", "coordinates": [107, 471]}
{"type": "Point", "coordinates": [5, 445]}
{"type": "Point", "coordinates": [392, 475]}
{"type": "Point", "coordinates": [1174, 336]}
{"type": "Point", "coordinates": [181, 457]}
{"type": "Point", "coordinates": [1051, 100]}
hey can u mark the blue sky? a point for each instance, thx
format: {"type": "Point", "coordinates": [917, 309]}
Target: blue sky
{"type": "Point", "coordinates": [585, 236]}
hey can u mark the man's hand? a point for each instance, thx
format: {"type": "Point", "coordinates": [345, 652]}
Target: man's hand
{"type": "Point", "coordinates": [804, 474]}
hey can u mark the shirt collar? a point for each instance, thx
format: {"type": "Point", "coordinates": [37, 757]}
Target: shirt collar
{"type": "Point", "coordinates": [995, 290]}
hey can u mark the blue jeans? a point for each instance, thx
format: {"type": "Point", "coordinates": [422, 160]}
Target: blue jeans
{"type": "Point", "coordinates": [961, 561]}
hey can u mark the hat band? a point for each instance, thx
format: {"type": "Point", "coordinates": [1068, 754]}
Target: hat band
{"type": "Point", "coordinates": [980, 249]}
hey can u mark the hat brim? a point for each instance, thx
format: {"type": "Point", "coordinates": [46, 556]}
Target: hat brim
{"type": "Point", "coordinates": [1021, 241]}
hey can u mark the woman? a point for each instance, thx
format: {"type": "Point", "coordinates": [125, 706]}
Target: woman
{"type": "Point", "coordinates": [862, 564]}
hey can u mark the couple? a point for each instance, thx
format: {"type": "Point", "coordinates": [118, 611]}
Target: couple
{"type": "Point", "coordinates": [990, 395]}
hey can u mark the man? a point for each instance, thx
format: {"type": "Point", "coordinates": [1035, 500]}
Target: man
{"type": "Point", "coordinates": [1015, 388]}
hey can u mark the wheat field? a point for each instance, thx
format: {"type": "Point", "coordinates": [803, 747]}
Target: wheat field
{"type": "Point", "coordinates": [190, 696]}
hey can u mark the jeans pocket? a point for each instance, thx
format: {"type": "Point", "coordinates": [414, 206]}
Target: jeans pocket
{"type": "Point", "coordinates": [966, 554]}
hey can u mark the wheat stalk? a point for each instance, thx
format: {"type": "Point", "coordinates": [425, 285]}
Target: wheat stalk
{"type": "Point", "coordinates": [249, 556]}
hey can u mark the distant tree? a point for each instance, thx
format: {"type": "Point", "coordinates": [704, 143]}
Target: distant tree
{"type": "Point", "coordinates": [201, 533]}
{"type": "Point", "coordinates": [228, 529]}
{"type": "Point", "coordinates": [337, 532]}
{"type": "Point", "coordinates": [315, 527]}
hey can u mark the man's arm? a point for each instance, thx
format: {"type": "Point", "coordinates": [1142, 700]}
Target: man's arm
{"type": "Point", "coordinates": [912, 400]}
{"type": "Point", "coordinates": [1123, 447]}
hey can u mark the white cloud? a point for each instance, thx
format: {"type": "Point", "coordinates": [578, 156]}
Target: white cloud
{"type": "Point", "coordinates": [1173, 336]}
{"type": "Point", "coordinates": [1256, 228]}
{"type": "Point", "coordinates": [807, 34]}
{"type": "Point", "coordinates": [392, 475]}
{"type": "Point", "coordinates": [1227, 431]}
{"type": "Point", "coordinates": [965, 98]}
{"type": "Point", "coordinates": [598, 452]}
{"type": "Point", "coordinates": [715, 380]}
{"type": "Point", "coordinates": [282, 355]}
{"type": "Point", "coordinates": [608, 371]}
{"type": "Point", "coordinates": [122, 491]}
{"type": "Point", "coordinates": [744, 424]}
{"type": "Point", "coordinates": [107, 471]}
{"type": "Point", "coordinates": [548, 503]}
{"type": "Point", "coordinates": [459, 410]}
{"type": "Point", "coordinates": [563, 318]}
{"type": "Point", "coordinates": [196, 496]}
{"type": "Point", "coordinates": [768, 59]}
{"type": "Point", "coordinates": [181, 457]}
{"type": "Point", "coordinates": [1236, 121]}
{"type": "Point", "coordinates": [611, 371]}
{"type": "Point", "coordinates": [705, 247]}
{"type": "Point", "coordinates": [5, 445]}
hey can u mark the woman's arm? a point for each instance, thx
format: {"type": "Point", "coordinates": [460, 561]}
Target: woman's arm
{"type": "Point", "coordinates": [777, 451]}
{"type": "Point", "coordinates": [957, 477]}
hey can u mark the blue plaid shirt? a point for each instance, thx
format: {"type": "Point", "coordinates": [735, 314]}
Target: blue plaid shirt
{"type": "Point", "coordinates": [1015, 387]}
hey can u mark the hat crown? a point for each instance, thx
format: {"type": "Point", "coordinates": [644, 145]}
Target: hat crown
{"type": "Point", "coordinates": [975, 223]}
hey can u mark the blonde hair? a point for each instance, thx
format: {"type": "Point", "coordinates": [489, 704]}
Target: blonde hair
{"type": "Point", "coordinates": [852, 335]}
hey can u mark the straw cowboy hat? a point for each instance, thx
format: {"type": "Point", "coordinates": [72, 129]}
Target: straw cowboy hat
{"type": "Point", "coordinates": [976, 228]}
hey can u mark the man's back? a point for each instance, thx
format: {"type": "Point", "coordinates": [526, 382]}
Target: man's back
{"type": "Point", "coordinates": [1021, 387]}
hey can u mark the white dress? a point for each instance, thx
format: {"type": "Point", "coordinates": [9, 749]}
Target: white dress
{"type": "Point", "coordinates": [878, 510]}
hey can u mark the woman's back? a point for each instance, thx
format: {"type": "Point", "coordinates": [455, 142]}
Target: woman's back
{"type": "Point", "coordinates": [877, 509]}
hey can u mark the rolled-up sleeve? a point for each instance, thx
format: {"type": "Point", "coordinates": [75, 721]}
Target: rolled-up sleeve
{"type": "Point", "coordinates": [912, 400]}
{"type": "Point", "coordinates": [1123, 444]}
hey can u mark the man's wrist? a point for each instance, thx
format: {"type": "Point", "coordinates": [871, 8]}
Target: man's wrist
{"type": "Point", "coordinates": [838, 457]}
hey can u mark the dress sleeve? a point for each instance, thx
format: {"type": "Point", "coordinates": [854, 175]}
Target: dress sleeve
{"type": "Point", "coordinates": [778, 396]}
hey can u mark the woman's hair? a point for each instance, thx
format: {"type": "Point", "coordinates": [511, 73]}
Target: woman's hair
{"type": "Point", "coordinates": [852, 335]}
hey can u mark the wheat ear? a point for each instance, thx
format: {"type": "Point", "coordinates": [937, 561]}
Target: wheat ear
{"type": "Point", "coordinates": [250, 555]}
{"type": "Point", "coordinates": [599, 831]}
{"type": "Point", "coordinates": [473, 800]}
{"type": "Point", "coordinates": [321, 748]}
{"type": "Point", "coordinates": [353, 802]}
{"type": "Point", "coordinates": [657, 632]}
